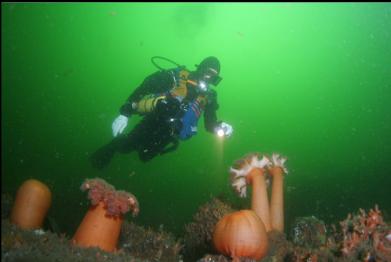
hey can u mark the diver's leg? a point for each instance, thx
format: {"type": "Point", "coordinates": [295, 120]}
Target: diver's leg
{"type": "Point", "coordinates": [102, 157]}
{"type": "Point", "coordinates": [145, 156]}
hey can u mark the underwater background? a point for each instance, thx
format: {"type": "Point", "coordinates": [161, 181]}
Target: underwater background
{"type": "Point", "coordinates": [311, 81]}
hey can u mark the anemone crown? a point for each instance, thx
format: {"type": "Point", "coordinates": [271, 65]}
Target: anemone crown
{"type": "Point", "coordinates": [243, 166]}
{"type": "Point", "coordinates": [116, 202]}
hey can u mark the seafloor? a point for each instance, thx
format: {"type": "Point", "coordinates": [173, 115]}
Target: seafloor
{"type": "Point", "coordinates": [362, 236]}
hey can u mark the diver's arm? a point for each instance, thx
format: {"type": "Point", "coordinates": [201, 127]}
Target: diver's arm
{"type": "Point", "coordinates": [210, 116]}
{"type": "Point", "coordinates": [158, 82]}
{"type": "Point", "coordinates": [220, 128]}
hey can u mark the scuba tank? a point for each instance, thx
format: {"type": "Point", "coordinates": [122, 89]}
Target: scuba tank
{"type": "Point", "coordinates": [149, 102]}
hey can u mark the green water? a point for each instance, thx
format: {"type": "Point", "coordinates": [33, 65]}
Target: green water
{"type": "Point", "coordinates": [310, 81]}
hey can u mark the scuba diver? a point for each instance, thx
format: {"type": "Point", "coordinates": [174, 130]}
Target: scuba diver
{"type": "Point", "coordinates": [171, 101]}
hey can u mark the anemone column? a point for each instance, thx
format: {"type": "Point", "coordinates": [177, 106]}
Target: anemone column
{"type": "Point", "coordinates": [259, 198]}
{"type": "Point", "coordinates": [277, 199]}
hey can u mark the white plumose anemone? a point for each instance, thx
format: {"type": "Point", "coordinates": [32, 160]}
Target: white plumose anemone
{"type": "Point", "coordinates": [279, 161]}
{"type": "Point", "coordinates": [238, 176]}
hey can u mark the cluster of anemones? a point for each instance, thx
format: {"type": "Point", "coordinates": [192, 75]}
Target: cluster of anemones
{"type": "Point", "coordinates": [243, 234]}
{"type": "Point", "coordinates": [367, 228]}
{"type": "Point", "coordinates": [116, 202]}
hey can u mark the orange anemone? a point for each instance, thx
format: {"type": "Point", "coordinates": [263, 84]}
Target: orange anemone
{"type": "Point", "coordinates": [101, 225]}
{"type": "Point", "coordinates": [241, 234]}
{"type": "Point", "coordinates": [31, 205]}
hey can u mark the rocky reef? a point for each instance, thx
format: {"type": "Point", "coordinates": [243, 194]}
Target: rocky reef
{"type": "Point", "coordinates": [362, 236]}
{"type": "Point", "coordinates": [136, 244]}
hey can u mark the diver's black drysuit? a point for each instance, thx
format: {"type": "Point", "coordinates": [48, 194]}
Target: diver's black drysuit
{"type": "Point", "coordinates": [157, 132]}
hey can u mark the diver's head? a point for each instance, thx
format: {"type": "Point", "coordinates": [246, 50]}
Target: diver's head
{"type": "Point", "coordinates": [208, 71]}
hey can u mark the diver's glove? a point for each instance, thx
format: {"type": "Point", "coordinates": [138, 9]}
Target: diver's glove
{"type": "Point", "coordinates": [224, 129]}
{"type": "Point", "coordinates": [119, 124]}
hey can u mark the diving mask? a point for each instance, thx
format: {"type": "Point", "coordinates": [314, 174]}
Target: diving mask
{"type": "Point", "coordinates": [212, 76]}
{"type": "Point", "coordinates": [208, 77]}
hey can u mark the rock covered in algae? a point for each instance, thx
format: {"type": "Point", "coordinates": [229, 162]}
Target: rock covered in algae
{"type": "Point", "coordinates": [199, 233]}
{"type": "Point", "coordinates": [149, 244]}
{"type": "Point", "coordinates": [309, 232]}
{"type": "Point", "coordinates": [44, 246]}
